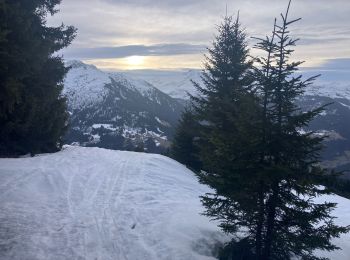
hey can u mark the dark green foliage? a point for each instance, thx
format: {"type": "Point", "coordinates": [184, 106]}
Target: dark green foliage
{"type": "Point", "coordinates": [228, 112]}
{"type": "Point", "coordinates": [263, 170]}
{"type": "Point", "coordinates": [140, 148]}
{"type": "Point", "coordinates": [339, 185]}
{"type": "Point", "coordinates": [293, 224]}
{"type": "Point", "coordinates": [110, 141]}
{"type": "Point", "coordinates": [242, 250]}
{"type": "Point", "coordinates": [184, 148]}
{"type": "Point", "coordinates": [33, 113]}
{"type": "Point", "coordinates": [150, 146]}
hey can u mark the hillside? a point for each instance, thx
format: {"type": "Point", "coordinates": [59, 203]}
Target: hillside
{"type": "Point", "coordinates": [112, 110]}
{"type": "Point", "coordinates": [91, 203]}
{"type": "Point", "coordinates": [177, 84]}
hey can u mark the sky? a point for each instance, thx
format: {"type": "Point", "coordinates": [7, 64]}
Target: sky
{"type": "Point", "coordinates": [174, 34]}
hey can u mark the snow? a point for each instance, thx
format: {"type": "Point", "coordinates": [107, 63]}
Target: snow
{"type": "Point", "coordinates": [176, 83]}
{"type": "Point", "coordinates": [85, 85]}
{"type": "Point", "coordinates": [345, 105]}
{"type": "Point", "coordinates": [164, 123]}
{"type": "Point", "coordinates": [343, 213]}
{"type": "Point", "coordinates": [90, 203]}
{"type": "Point", "coordinates": [106, 126]}
{"type": "Point", "coordinates": [136, 84]}
{"type": "Point", "coordinates": [332, 89]}
{"type": "Point", "coordinates": [96, 138]}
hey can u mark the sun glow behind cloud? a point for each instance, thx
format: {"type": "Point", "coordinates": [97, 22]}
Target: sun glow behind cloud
{"type": "Point", "coordinates": [135, 61]}
{"type": "Point", "coordinates": [149, 62]}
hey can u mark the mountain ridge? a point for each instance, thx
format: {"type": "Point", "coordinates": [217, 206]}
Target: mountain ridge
{"type": "Point", "coordinates": [130, 112]}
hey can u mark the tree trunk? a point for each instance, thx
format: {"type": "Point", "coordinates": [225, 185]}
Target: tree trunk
{"type": "Point", "coordinates": [271, 217]}
{"type": "Point", "coordinates": [260, 223]}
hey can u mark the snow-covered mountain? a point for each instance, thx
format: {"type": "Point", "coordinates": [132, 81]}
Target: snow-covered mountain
{"type": "Point", "coordinates": [113, 110]}
{"type": "Point", "coordinates": [91, 203]}
{"type": "Point", "coordinates": [175, 83]}
{"type": "Point", "coordinates": [178, 83]}
{"type": "Point", "coordinates": [124, 110]}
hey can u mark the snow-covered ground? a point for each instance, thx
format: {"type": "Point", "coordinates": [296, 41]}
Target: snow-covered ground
{"type": "Point", "coordinates": [90, 203]}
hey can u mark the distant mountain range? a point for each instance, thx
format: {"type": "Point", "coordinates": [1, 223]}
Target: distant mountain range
{"type": "Point", "coordinates": [139, 109]}
{"type": "Point", "coordinates": [333, 84]}
{"type": "Point", "coordinates": [334, 123]}
{"type": "Point", "coordinates": [177, 84]}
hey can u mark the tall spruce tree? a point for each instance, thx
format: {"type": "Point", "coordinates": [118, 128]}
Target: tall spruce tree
{"type": "Point", "coordinates": [184, 148]}
{"type": "Point", "coordinates": [263, 170]}
{"type": "Point", "coordinates": [33, 113]}
{"type": "Point", "coordinates": [228, 113]}
{"type": "Point", "coordinates": [227, 82]}
{"type": "Point", "coordinates": [292, 223]}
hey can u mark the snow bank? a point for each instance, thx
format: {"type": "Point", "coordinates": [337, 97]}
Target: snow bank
{"type": "Point", "coordinates": [90, 203]}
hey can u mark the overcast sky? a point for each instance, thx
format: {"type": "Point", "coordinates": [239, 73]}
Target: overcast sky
{"type": "Point", "coordinates": [173, 34]}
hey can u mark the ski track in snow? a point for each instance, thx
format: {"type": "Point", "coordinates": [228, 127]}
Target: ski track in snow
{"type": "Point", "coordinates": [90, 203]}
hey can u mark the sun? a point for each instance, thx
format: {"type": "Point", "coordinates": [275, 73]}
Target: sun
{"type": "Point", "coordinates": [135, 60]}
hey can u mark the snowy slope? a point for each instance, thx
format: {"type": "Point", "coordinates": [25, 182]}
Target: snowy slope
{"type": "Point", "coordinates": [85, 85]}
{"type": "Point", "coordinates": [176, 84]}
{"type": "Point", "coordinates": [113, 110]}
{"type": "Point", "coordinates": [90, 203]}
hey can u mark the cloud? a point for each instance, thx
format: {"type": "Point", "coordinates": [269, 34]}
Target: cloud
{"type": "Point", "coordinates": [160, 3]}
{"type": "Point", "coordinates": [332, 70]}
{"type": "Point", "coordinates": [337, 64]}
{"type": "Point", "coordinates": [134, 50]}
{"type": "Point", "coordinates": [136, 25]}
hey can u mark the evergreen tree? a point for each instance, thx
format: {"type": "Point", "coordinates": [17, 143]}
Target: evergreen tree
{"type": "Point", "coordinates": [227, 81]}
{"type": "Point", "coordinates": [33, 113]}
{"type": "Point", "coordinates": [228, 113]}
{"type": "Point", "coordinates": [184, 148]}
{"type": "Point", "coordinates": [263, 170]}
{"type": "Point", "coordinates": [292, 223]}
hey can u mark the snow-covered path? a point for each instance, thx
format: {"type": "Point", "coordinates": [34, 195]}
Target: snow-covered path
{"type": "Point", "coordinates": [89, 203]}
